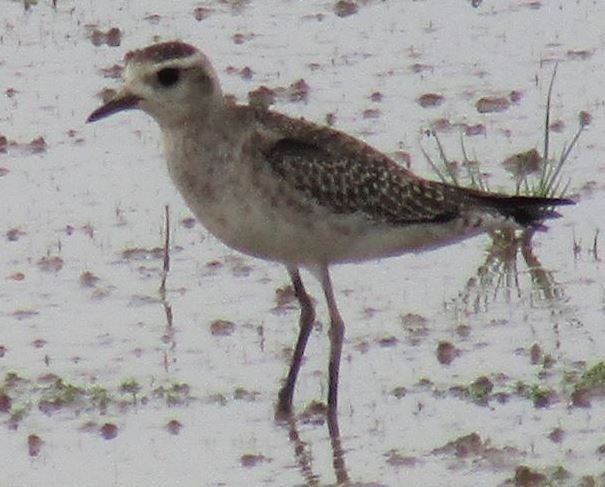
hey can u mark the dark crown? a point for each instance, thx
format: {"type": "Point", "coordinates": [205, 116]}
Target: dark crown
{"type": "Point", "coordinates": [158, 53]}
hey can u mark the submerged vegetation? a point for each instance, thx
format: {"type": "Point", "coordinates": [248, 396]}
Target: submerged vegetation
{"type": "Point", "coordinates": [525, 166]}
{"type": "Point", "coordinates": [50, 394]}
{"type": "Point", "coordinates": [535, 175]}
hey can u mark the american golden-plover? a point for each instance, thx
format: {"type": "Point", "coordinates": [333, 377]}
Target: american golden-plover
{"type": "Point", "coordinates": [291, 191]}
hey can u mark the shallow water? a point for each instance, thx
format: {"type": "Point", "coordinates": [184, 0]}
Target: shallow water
{"type": "Point", "coordinates": [100, 375]}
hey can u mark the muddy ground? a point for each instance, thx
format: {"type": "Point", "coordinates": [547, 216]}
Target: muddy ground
{"type": "Point", "coordinates": [477, 364]}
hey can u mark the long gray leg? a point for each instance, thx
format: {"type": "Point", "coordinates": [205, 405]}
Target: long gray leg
{"type": "Point", "coordinates": [307, 318]}
{"type": "Point", "coordinates": [337, 331]}
{"type": "Point", "coordinates": [338, 454]}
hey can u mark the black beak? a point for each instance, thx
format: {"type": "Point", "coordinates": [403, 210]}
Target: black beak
{"type": "Point", "coordinates": [122, 101]}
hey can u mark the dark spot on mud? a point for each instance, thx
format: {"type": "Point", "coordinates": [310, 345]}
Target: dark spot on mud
{"type": "Point", "coordinates": [515, 96]}
{"type": "Point", "coordinates": [388, 342]}
{"type": "Point", "coordinates": [201, 13]}
{"type": "Point", "coordinates": [371, 113]}
{"type": "Point", "coordinates": [222, 328]}
{"type": "Point", "coordinates": [345, 8]}
{"type": "Point", "coordinates": [523, 163]}
{"type": "Point", "coordinates": [471, 130]}
{"type": "Point", "coordinates": [112, 37]}
{"type": "Point", "coordinates": [153, 19]}
{"type": "Point", "coordinates": [525, 477]}
{"type": "Point", "coordinates": [22, 314]}
{"type": "Point", "coordinates": [314, 413]}
{"type": "Point", "coordinates": [37, 145]}
{"type": "Point", "coordinates": [5, 402]}
{"type": "Point", "coordinates": [50, 264]}
{"type": "Point", "coordinates": [492, 104]}
{"type": "Point", "coordinates": [462, 447]}
{"type": "Point", "coordinates": [240, 38]}
{"type": "Point", "coordinates": [174, 427]}
{"type": "Point", "coordinates": [399, 392]}
{"type": "Point", "coordinates": [442, 125]}
{"type": "Point", "coordinates": [109, 431]}
{"type": "Point", "coordinates": [579, 54]}
{"type": "Point", "coordinates": [252, 460]}
{"type": "Point", "coordinates": [188, 222]}
{"type": "Point", "coordinates": [429, 100]}
{"type": "Point", "coordinates": [284, 296]}
{"type": "Point", "coordinates": [446, 353]}
{"type": "Point", "coordinates": [242, 394]}
{"type": "Point", "coordinates": [34, 445]}
{"type": "Point", "coordinates": [415, 326]}
{"type": "Point", "coordinates": [535, 354]}
{"type": "Point", "coordinates": [396, 459]}
{"type": "Point", "coordinates": [13, 234]}
{"type": "Point", "coordinates": [585, 118]}
{"type": "Point", "coordinates": [143, 254]}
{"type": "Point", "coordinates": [88, 279]}
{"type": "Point", "coordinates": [556, 435]}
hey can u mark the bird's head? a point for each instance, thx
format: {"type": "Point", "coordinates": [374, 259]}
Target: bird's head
{"type": "Point", "coordinates": [171, 81]}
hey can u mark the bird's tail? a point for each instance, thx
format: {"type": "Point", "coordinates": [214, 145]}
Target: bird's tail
{"type": "Point", "coordinates": [525, 210]}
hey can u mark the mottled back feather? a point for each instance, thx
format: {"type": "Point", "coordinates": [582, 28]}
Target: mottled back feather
{"type": "Point", "coordinates": [348, 176]}
{"type": "Point", "coordinates": [377, 187]}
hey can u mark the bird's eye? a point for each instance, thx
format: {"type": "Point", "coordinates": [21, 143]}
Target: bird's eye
{"type": "Point", "coordinates": [168, 76]}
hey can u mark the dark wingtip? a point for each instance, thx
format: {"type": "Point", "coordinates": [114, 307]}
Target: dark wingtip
{"type": "Point", "coordinates": [537, 211]}
{"type": "Point", "coordinates": [526, 210]}
{"type": "Point", "coordinates": [560, 201]}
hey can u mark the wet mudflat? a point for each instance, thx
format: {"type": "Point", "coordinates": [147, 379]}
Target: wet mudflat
{"type": "Point", "coordinates": [477, 364]}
